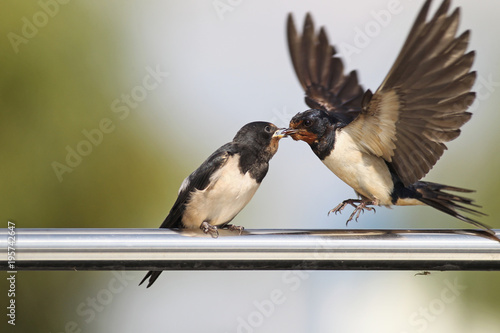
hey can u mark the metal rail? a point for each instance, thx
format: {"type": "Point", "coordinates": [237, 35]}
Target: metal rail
{"type": "Point", "coordinates": [163, 249]}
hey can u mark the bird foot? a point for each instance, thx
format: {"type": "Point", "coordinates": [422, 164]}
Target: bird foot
{"type": "Point", "coordinates": [210, 229]}
{"type": "Point", "coordinates": [361, 209]}
{"type": "Point", "coordinates": [233, 227]}
{"type": "Point", "coordinates": [358, 209]}
{"type": "Point", "coordinates": [340, 207]}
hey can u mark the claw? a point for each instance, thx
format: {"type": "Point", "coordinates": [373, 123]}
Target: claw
{"type": "Point", "coordinates": [340, 207]}
{"type": "Point", "coordinates": [358, 209]}
{"type": "Point", "coordinates": [233, 227]}
{"type": "Point", "coordinates": [208, 228]}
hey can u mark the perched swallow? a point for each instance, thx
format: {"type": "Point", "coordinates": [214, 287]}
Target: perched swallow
{"type": "Point", "coordinates": [223, 185]}
{"type": "Point", "coordinates": [381, 144]}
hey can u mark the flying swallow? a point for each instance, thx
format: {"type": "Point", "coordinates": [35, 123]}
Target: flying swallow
{"type": "Point", "coordinates": [381, 144]}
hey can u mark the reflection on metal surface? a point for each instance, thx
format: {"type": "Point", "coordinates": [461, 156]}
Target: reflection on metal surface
{"type": "Point", "coordinates": [146, 249]}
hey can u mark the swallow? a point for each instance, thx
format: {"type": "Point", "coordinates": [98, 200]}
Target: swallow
{"type": "Point", "coordinates": [211, 196]}
{"type": "Point", "coordinates": [381, 144]}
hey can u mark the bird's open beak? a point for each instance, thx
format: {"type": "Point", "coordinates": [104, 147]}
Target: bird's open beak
{"type": "Point", "coordinates": [280, 133]}
{"type": "Point", "coordinates": [290, 131]}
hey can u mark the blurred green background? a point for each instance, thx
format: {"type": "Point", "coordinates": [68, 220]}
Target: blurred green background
{"type": "Point", "coordinates": [66, 70]}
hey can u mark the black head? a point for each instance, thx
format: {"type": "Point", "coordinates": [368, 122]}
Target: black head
{"type": "Point", "coordinates": [260, 135]}
{"type": "Point", "coordinates": [310, 126]}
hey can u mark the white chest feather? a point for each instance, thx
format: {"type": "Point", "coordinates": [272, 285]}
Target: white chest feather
{"type": "Point", "coordinates": [365, 173]}
{"type": "Point", "coordinates": [228, 194]}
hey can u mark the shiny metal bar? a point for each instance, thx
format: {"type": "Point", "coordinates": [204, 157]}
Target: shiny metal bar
{"type": "Point", "coordinates": [160, 249]}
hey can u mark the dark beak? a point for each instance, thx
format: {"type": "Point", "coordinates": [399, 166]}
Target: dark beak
{"type": "Point", "coordinates": [290, 131]}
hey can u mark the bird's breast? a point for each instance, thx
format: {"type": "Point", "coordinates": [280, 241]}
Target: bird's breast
{"type": "Point", "coordinates": [365, 173]}
{"type": "Point", "coordinates": [228, 193]}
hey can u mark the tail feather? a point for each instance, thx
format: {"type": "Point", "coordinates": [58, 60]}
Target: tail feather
{"type": "Point", "coordinates": [152, 275]}
{"type": "Point", "coordinates": [436, 191]}
{"type": "Point", "coordinates": [432, 194]}
{"type": "Point", "coordinates": [172, 221]}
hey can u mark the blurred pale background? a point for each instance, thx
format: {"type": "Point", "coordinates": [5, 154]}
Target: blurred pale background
{"type": "Point", "coordinates": [66, 70]}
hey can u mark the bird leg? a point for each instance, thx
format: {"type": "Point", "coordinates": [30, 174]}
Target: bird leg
{"type": "Point", "coordinates": [233, 227]}
{"type": "Point", "coordinates": [211, 229]}
{"type": "Point", "coordinates": [358, 209]}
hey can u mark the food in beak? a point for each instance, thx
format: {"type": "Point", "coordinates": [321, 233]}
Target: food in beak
{"type": "Point", "coordinates": [280, 133]}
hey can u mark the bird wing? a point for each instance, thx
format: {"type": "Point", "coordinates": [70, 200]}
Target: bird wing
{"type": "Point", "coordinates": [200, 179]}
{"type": "Point", "coordinates": [422, 102]}
{"type": "Point", "coordinates": [321, 73]}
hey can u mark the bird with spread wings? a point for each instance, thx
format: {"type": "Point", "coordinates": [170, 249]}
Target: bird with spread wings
{"type": "Point", "coordinates": [383, 143]}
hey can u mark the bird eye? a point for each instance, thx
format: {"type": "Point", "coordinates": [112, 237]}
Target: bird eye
{"type": "Point", "coordinates": [267, 129]}
{"type": "Point", "coordinates": [307, 123]}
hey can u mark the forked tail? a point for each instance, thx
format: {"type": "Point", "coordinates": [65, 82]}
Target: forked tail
{"type": "Point", "coordinates": [432, 194]}
{"type": "Point", "coordinates": [152, 275]}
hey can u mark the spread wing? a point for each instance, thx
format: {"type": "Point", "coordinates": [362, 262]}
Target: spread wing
{"type": "Point", "coordinates": [321, 73]}
{"type": "Point", "coordinates": [422, 102]}
{"type": "Point", "coordinates": [198, 180]}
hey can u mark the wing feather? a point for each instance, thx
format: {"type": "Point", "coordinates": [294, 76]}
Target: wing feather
{"type": "Point", "coordinates": [321, 73]}
{"type": "Point", "coordinates": [198, 180]}
{"type": "Point", "coordinates": [430, 85]}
